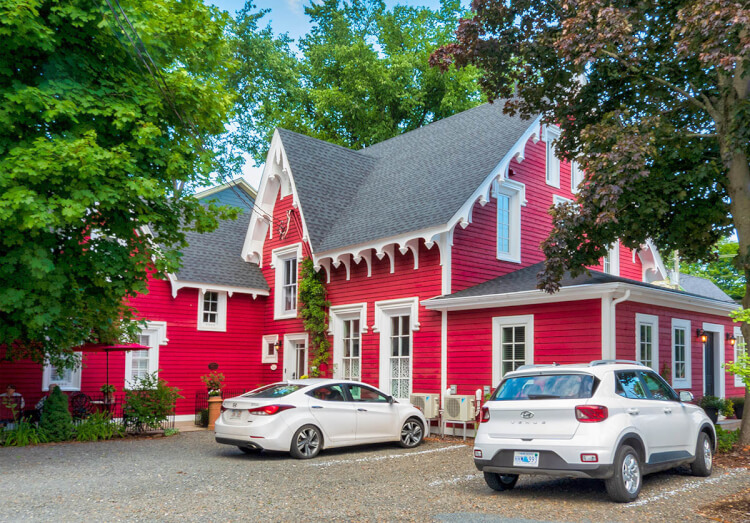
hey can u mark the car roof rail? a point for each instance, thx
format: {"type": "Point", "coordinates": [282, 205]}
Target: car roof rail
{"type": "Point", "coordinates": [610, 362]}
{"type": "Point", "coordinates": [536, 366]}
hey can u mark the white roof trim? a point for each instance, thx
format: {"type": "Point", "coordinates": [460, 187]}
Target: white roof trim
{"type": "Point", "coordinates": [659, 297]}
{"type": "Point", "coordinates": [203, 287]}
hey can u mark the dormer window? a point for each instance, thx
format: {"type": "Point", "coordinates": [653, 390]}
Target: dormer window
{"type": "Point", "coordinates": [286, 265]}
{"type": "Point", "coordinates": [553, 162]}
{"type": "Point", "coordinates": [510, 197]}
{"type": "Point", "coordinates": [212, 311]}
{"type": "Point", "coordinates": [576, 177]}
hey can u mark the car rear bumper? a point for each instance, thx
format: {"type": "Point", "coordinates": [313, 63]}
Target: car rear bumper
{"type": "Point", "coordinates": [550, 463]}
{"type": "Point", "coordinates": [265, 436]}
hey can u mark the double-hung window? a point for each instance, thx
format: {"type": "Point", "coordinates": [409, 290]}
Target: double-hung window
{"type": "Point", "coordinates": [611, 262]}
{"type": "Point", "coordinates": [553, 162]}
{"type": "Point", "coordinates": [212, 310]}
{"type": "Point", "coordinates": [510, 197]}
{"type": "Point", "coordinates": [286, 267]}
{"type": "Point", "coordinates": [512, 345]}
{"type": "Point", "coordinates": [740, 347]}
{"type": "Point", "coordinates": [681, 377]}
{"type": "Point", "coordinates": [576, 176]}
{"type": "Point", "coordinates": [647, 340]}
{"type": "Point", "coordinates": [66, 379]}
{"type": "Point", "coordinates": [289, 288]}
{"type": "Point", "coordinates": [351, 359]}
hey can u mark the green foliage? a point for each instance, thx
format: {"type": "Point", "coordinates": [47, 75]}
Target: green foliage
{"type": "Point", "coordinates": [740, 367]}
{"type": "Point", "coordinates": [739, 403]}
{"type": "Point", "coordinates": [724, 406]}
{"type": "Point", "coordinates": [719, 267]}
{"type": "Point", "coordinates": [213, 381]}
{"type": "Point", "coordinates": [91, 152]}
{"type": "Point", "coordinates": [97, 426]}
{"type": "Point", "coordinates": [24, 433]}
{"type": "Point", "coordinates": [313, 306]}
{"type": "Point", "coordinates": [150, 402]}
{"type": "Point", "coordinates": [56, 422]}
{"type": "Point", "coordinates": [361, 74]}
{"type": "Point", "coordinates": [107, 389]}
{"type": "Point", "coordinates": [203, 417]}
{"type": "Point", "coordinates": [726, 439]}
{"type": "Point", "coordinates": [171, 432]}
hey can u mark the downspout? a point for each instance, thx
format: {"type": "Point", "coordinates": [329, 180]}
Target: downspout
{"type": "Point", "coordinates": [613, 323]}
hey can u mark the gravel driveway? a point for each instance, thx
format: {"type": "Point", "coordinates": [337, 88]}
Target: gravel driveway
{"type": "Point", "coordinates": [191, 478]}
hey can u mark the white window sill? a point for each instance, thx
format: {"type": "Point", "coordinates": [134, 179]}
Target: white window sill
{"type": "Point", "coordinates": [682, 385]}
{"type": "Point", "coordinates": [508, 258]}
{"type": "Point", "coordinates": [212, 328]}
{"type": "Point", "coordinates": [64, 388]}
{"type": "Point", "coordinates": [285, 315]}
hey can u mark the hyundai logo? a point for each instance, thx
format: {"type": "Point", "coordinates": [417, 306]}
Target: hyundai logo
{"type": "Point", "coordinates": [234, 404]}
{"type": "Point", "coordinates": [527, 414]}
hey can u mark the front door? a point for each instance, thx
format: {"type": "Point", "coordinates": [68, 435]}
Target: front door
{"type": "Point", "coordinates": [295, 358]}
{"type": "Point", "coordinates": [709, 385]}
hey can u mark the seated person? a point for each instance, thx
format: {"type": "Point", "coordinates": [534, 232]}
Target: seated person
{"type": "Point", "coordinates": [11, 404]}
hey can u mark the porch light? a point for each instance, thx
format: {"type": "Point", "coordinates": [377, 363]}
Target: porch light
{"type": "Point", "coordinates": [731, 339]}
{"type": "Point", "coordinates": [702, 335]}
{"type": "Point", "coordinates": [277, 346]}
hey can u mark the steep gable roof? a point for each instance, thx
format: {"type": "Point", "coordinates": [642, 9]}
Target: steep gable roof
{"type": "Point", "coordinates": [414, 181]}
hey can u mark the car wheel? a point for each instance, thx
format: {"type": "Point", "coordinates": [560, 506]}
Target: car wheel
{"type": "Point", "coordinates": [625, 485]}
{"type": "Point", "coordinates": [500, 481]}
{"type": "Point", "coordinates": [306, 442]}
{"type": "Point", "coordinates": [248, 450]}
{"type": "Point", "coordinates": [412, 434]}
{"type": "Point", "coordinates": [703, 464]}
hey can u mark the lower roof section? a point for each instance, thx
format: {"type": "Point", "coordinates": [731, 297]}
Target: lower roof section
{"type": "Point", "coordinates": [520, 288]}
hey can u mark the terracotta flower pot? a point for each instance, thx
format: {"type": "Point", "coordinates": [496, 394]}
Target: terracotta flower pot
{"type": "Point", "coordinates": [214, 410]}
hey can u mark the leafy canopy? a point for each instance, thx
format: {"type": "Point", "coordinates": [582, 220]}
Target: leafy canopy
{"type": "Point", "coordinates": [719, 268]}
{"type": "Point", "coordinates": [358, 77]}
{"type": "Point", "coordinates": [91, 151]}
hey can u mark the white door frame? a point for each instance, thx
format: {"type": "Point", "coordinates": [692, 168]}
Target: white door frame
{"type": "Point", "coordinates": [290, 356]}
{"type": "Point", "coordinates": [384, 311]}
{"type": "Point", "coordinates": [719, 373]}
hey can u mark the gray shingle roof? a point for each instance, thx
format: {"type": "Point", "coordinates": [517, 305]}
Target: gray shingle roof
{"type": "Point", "coordinates": [526, 280]}
{"type": "Point", "coordinates": [702, 287]}
{"type": "Point", "coordinates": [214, 258]}
{"type": "Point", "coordinates": [417, 180]}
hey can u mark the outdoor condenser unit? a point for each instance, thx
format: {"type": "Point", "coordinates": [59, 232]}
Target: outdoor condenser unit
{"type": "Point", "coordinates": [460, 408]}
{"type": "Point", "coordinates": [429, 404]}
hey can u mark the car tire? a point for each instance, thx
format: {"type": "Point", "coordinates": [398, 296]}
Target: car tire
{"type": "Point", "coordinates": [412, 433]}
{"type": "Point", "coordinates": [703, 464]}
{"type": "Point", "coordinates": [625, 485]}
{"type": "Point", "coordinates": [248, 450]}
{"type": "Point", "coordinates": [306, 442]}
{"type": "Point", "coordinates": [500, 482]}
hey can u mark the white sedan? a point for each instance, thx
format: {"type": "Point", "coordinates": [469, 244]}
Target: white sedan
{"type": "Point", "coordinates": [305, 416]}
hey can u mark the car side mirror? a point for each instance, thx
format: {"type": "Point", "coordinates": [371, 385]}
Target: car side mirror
{"type": "Point", "coordinates": [686, 396]}
{"type": "Point", "coordinates": [391, 400]}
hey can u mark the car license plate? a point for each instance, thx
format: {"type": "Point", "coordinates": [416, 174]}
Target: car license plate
{"type": "Point", "coordinates": [235, 414]}
{"type": "Point", "coordinates": [525, 459]}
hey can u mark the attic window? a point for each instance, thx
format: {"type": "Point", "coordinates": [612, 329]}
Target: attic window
{"type": "Point", "coordinates": [286, 266]}
{"type": "Point", "coordinates": [510, 197]}
{"type": "Point", "coordinates": [553, 162]}
{"type": "Point", "coordinates": [212, 311]}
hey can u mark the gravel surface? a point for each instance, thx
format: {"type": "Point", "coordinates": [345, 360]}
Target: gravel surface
{"type": "Point", "coordinates": [189, 477]}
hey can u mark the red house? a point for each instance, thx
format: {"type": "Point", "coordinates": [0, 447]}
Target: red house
{"type": "Point", "coordinates": [429, 244]}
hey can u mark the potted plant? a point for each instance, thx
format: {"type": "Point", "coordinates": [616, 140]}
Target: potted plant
{"type": "Point", "coordinates": [109, 393]}
{"type": "Point", "coordinates": [739, 406]}
{"type": "Point", "coordinates": [715, 406]}
{"type": "Point", "coordinates": [213, 381]}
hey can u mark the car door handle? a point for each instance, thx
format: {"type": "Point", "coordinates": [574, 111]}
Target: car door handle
{"type": "Point", "coordinates": [361, 410]}
{"type": "Point", "coordinates": [633, 412]}
{"type": "Point", "coordinates": [317, 406]}
{"type": "Point", "coordinates": [667, 410]}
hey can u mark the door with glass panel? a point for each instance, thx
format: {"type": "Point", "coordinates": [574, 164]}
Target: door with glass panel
{"type": "Point", "coordinates": [512, 348]}
{"type": "Point", "coordinates": [400, 357]}
{"type": "Point", "coordinates": [295, 359]}
{"type": "Point", "coordinates": [351, 362]}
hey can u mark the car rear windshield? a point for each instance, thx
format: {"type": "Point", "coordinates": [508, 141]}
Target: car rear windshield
{"type": "Point", "coordinates": [550, 386]}
{"type": "Point", "coordinates": [277, 390]}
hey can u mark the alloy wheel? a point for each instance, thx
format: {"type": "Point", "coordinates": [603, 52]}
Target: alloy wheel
{"type": "Point", "coordinates": [631, 474]}
{"type": "Point", "coordinates": [308, 441]}
{"type": "Point", "coordinates": [411, 433]}
{"type": "Point", "coordinates": [707, 454]}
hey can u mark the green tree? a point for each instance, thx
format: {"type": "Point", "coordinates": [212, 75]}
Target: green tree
{"type": "Point", "coordinates": [92, 149]}
{"type": "Point", "coordinates": [56, 422]}
{"type": "Point", "coordinates": [719, 268]}
{"type": "Point", "coordinates": [360, 75]}
{"type": "Point", "coordinates": [653, 101]}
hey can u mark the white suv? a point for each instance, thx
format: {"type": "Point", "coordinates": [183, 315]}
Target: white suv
{"type": "Point", "coordinates": [610, 420]}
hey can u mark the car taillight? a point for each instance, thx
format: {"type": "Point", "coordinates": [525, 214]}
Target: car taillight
{"type": "Point", "coordinates": [591, 413]}
{"type": "Point", "coordinates": [269, 410]}
{"type": "Point", "coordinates": [485, 415]}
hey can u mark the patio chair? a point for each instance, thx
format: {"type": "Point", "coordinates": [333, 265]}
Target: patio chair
{"type": "Point", "coordinates": [80, 405]}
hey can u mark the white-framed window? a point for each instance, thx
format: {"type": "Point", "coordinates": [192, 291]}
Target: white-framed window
{"type": "Point", "coordinates": [553, 162]}
{"type": "Point", "coordinates": [681, 354]}
{"type": "Point", "coordinates": [511, 196]}
{"type": "Point", "coordinates": [740, 346]}
{"type": "Point", "coordinates": [212, 310]}
{"type": "Point", "coordinates": [647, 340]}
{"type": "Point", "coordinates": [611, 262]}
{"type": "Point", "coordinates": [286, 265]}
{"type": "Point", "coordinates": [576, 176]}
{"type": "Point", "coordinates": [558, 200]}
{"type": "Point", "coordinates": [512, 344]}
{"type": "Point", "coordinates": [66, 379]}
{"type": "Point", "coordinates": [139, 363]}
{"type": "Point", "coordinates": [269, 353]}
{"type": "Point", "coordinates": [348, 322]}
{"type": "Point", "coordinates": [396, 321]}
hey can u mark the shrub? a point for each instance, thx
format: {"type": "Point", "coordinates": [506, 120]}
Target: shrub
{"type": "Point", "coordinates": [171, 432]}
{"type": "Point", "coordinates": [149, 403]}
{"type": "Point", "coordinates": [213, 381]}
{"type": "Point", "coordinates": [203, 416]}
{"type": "Point", "coordinates": [725, 407]}
{"type": "Point", "coordinates": [739, 403]}
{"type": "Point", "coordinates": [98, 426]}
{"type": "Point", "coordinates": [725, 439]}
{"type": "Point", "coordinates": [24, 433]}
{"type": "Point", "coordinates": [56, 421]}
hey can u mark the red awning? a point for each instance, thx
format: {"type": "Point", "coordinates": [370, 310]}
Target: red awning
{"type": "Point", "coordinates": [103, 347]}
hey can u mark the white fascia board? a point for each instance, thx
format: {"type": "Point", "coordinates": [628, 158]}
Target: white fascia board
{"type": "Point", "coordinates": [638, 294]}
{"type": "Point", "coordinates": [657, 259]}
{"type": "Point", "coordinates": [203, 287]}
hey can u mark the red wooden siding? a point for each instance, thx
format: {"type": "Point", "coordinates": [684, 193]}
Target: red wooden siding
{"type": "Point", "coordinates": [563, 333]}
{"type": "Point", "coordinates": [474, 255]}
{"type": "Point", "coordinates": [626, 340]}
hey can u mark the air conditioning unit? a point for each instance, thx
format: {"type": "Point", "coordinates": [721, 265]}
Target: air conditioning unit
{"type": "Point", "coordinates": [459, 408]}
{"type": "Point", "coordinates": [429, 404]}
